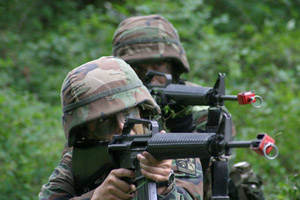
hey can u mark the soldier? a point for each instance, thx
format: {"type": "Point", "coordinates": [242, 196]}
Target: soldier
{"type": "Point", "coordinates": [96, 98]}
{"type": "Point", "coordinates": [152, 43]}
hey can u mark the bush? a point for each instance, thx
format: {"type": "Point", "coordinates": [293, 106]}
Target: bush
{"type": "Point", "coordinates": [256, 44]}
{"type": "Point", "coordinates": [31, 139]}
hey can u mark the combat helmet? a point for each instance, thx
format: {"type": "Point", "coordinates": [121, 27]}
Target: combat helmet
{"type": "Point", "coordinates": [98, 89]}
{"type": "Point", "coordinates": [149, 38]}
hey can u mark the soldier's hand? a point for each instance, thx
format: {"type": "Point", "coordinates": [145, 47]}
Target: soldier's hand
{"type": "Point", "coordinates": [115, 188]}
{"type": "Point", "coordinates": [157, 170]}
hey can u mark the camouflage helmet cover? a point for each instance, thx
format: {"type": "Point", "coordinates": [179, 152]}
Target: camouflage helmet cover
{"type": "Point", "coordinates": [147, 38]}
{"type": "Point", "coordinates": [100, 88]}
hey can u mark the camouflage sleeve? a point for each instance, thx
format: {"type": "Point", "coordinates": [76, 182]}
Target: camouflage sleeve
{"type": "Point", "coordinates": [200, 114]}
{"type": "Point", "coordinates": [60, 184]}
{"type": "Point", "coordinates": [188, 180]}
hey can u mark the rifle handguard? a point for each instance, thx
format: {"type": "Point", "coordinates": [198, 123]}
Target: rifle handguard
{"type": "Point", "coordinates": [180, 145]}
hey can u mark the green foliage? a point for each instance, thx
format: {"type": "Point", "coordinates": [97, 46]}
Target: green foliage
{"type": "Point", "coordinates": [255, 43]}
{"type": "Point", "coordinates": [29, 130]}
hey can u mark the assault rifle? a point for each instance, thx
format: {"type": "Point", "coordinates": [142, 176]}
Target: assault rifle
{"type": "Point", "coordinates": [92, 159]}
{"type": "Point", "coordinates": [186, 95]}
{"type": "Point", "coordinates": [192, 95]}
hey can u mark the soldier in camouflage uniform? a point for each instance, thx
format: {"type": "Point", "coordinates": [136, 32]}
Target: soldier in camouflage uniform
{"type": "Point", "coordinates": [152, 43]}
{"type": "Point", "coordinates": [96, 98]}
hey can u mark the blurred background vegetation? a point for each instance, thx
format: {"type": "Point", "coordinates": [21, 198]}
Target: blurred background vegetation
{"type": "Point", "coordinates": [256, 43]}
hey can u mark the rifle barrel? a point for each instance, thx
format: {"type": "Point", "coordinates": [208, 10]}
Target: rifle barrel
{"type": "Point", "coordinates": [243, 144]}
{"type": "Point", "coordinates": [229, 97]}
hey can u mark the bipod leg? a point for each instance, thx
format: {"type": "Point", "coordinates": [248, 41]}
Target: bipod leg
{"type": "Point", "coordinates": [219, 178]}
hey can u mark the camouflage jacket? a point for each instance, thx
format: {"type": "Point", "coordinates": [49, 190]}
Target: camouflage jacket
{"type": "Point", "coordinates": [188, 181]}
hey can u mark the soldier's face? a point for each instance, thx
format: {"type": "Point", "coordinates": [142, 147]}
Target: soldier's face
{"type": "Point", "coordinates": [163, 66]}
{"type": "Point", "coordinates": [104, 129]}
